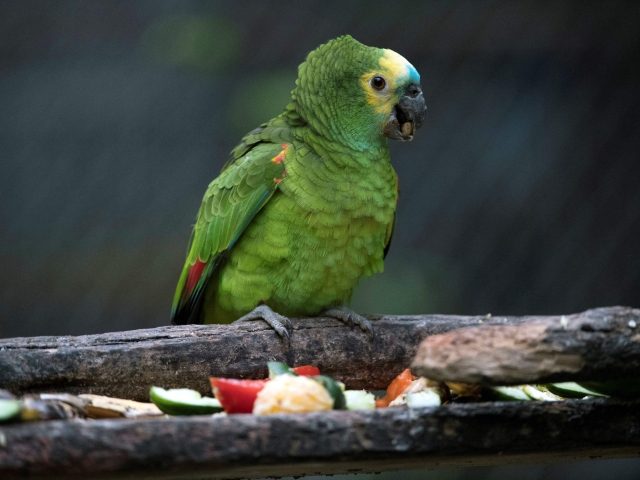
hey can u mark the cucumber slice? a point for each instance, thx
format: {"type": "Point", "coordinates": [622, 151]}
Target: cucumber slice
{"type": "Point", "coordinates": [183, 401]}
{"type": "Point", "coordinates": [333, 387]}
{"type": "Point", "coordinates": [359, 400]}
{"type": "Point", "coordinates": [509, 393]}
{"type": "Point", "coordinates": [9, 409]}
{"type": "Point", "coordinates": [572, 390]}
{"type": "Point", "coordinates": [539, 392]}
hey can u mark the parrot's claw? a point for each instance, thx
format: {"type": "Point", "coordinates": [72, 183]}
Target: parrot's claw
{"type": "Point", "coordinates": [281, 324]}
{"type": "Point", "coordinates": [351, 318]}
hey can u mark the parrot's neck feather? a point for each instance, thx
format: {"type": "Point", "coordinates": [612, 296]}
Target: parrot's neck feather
{"type": "Point", "coordinates": [340, 154]}
{"type": "Point", "coordinates": [324, 134]}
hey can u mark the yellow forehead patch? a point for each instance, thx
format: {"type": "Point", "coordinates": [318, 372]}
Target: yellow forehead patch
{"type": "Point", "coordinates": [394, 68]}
{"type": "Point", "coordinates": [394, 64]}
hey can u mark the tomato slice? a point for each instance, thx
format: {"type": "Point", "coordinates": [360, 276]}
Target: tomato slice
{"type": "Point", "coordinates": [307, 370]}
{"type": "Point", "coordinates": [396, 387]}
{"type": "Point", "coordinates": [235, 395]}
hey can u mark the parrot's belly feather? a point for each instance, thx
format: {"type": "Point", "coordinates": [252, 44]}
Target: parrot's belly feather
{"type": "Point", "coordinates": [308, 248]}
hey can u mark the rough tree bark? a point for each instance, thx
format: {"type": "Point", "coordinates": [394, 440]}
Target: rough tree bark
{"type": "Point", "coordinates": [125, 364]}
{"type": "Point", "coordinates": [599, 344]}
{"type": "Point", "coordinates": [243, 446]}
{"type": "Point", "coordinates": [594, 345]}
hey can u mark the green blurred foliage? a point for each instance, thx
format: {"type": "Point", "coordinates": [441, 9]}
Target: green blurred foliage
{"type": "Point", "coordinates": [204, 43]}
{"type": "Point", "coordinates": [257, 98]}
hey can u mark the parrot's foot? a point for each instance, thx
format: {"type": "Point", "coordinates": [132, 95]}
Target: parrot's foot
{"type": "Point", "coordinates": [280, 323]}
{"type": "Point", "coordinates": [351, 318]}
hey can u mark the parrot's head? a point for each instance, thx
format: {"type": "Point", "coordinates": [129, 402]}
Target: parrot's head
{"type": "Point", "coordinates": [358, 95]}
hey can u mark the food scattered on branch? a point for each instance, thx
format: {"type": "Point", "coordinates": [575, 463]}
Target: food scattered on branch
{"type": "Point", "coordinates": [300, 389]}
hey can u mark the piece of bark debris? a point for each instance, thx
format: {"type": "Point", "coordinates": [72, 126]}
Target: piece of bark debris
{"type": "Point", "coordinates": [99, 406]}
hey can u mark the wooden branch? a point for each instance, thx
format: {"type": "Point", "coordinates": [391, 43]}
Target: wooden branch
{"type": "Point", "coordinates": [240, 446]}
{"type": "Point", "coordinates": [600, 344]}
{"type": "Point", "coordinates": [125, 364]}
{"type": "Point", "coordinates": [597, 344]}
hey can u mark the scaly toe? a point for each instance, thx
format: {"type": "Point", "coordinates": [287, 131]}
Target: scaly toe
{"type": "Point", "coordinates": [351, 318]}
{"type": "Point", "coordinates": [281, 324]}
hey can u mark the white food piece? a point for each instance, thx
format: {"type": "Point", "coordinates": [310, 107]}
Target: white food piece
{"type": "Point", "coordinates": [426, 398]}
{"type": "Point", "coordinates": [359, 400]}
{"type": "Point", "coordinates": [416, 389]}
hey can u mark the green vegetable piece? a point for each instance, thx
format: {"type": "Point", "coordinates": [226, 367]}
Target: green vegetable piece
{"type": "Point", "coordinates": [572, 390]}
{"type": "Point", "coordinates": [540, 392]}
{"type": "Point", "coordinates": [509, 393]}
{"type": "Point", "coordinates": [183, 401]}
{"type": "Point", "coordinates": [279, 368]}
{"type": "Point", "coordinates": [333, 387]}
{"type": "Point", "coordinates": [9, 409]}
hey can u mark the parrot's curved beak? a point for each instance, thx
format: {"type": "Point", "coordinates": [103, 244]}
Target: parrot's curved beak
{"type": "Point", "coordinates": [407, 115]}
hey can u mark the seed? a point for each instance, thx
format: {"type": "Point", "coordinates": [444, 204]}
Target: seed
{"type": "Point", "coordinates": [407, 129]}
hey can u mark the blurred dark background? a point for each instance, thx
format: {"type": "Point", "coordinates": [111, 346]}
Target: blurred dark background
{"type": "Point", "coordinates": [519, 195]}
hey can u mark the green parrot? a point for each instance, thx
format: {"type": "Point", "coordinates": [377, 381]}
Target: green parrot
{"type": "Point", "coordinates": [305, 206]}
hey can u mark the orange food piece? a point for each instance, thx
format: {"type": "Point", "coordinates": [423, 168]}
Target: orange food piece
{"type": "Point", "coordinates": [395, 388]}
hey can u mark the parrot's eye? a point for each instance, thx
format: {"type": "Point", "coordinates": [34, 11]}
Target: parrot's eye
{"type": "Point", "coordinates": [378, 83]}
